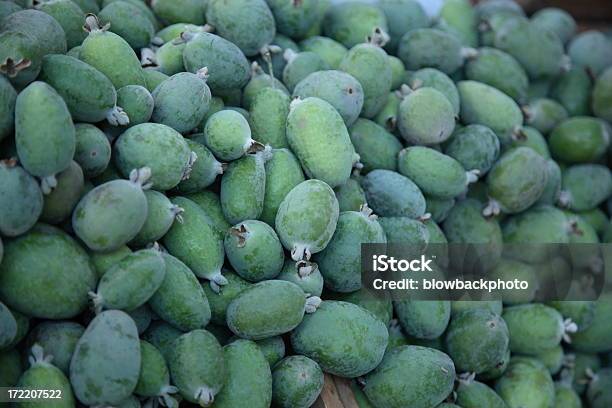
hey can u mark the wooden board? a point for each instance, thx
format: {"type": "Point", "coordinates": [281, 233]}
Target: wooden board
{"type": "Point", "coordinates": [336, 393]}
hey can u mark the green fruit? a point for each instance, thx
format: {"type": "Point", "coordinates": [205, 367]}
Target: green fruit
{"type": "Point", "coordinates": [338, 88]}
{"type": "Point", "coordinates": [331, 51]}
{"type": "Point", "coordinates": [161, 335]}
{"type": "Point", "coordinates": [88, 6]}
{"type": "Point", "coordinates": [381, 308]}
{"type": "Point", "coordinates": [8, 7]}
{"type": "Point", "coordinates": [508, 270]}
{"type": "Point", "coordinates": [307, 218]}
{"type": "Point", "coordinates": [158, 147]}
{"type": "Point", "coordinates": [255, 28]}
{"type": "Point", "coordinates": [544, 114]}
{"type": "Point", "coordinates": [228, 135]}
{"type": "Point", "coordinates": [294, 19]}
{"type": "Point", "coordinates": [579, 140]}
{"type": "Point", "coordinates": [113, 213]}
{"type": "Point", "coordinates": [268, 117]}
{"type": "Point", "coordinates": [168, 58]}
{"type": "Point", "coordinates": [196, 242]}
{"type": "Point", "coordinates": [402, 16]}
{"type": "Point", "coordinates": [60, 202]}
{"type": "Point", "coordinates": [57, 339]}
{"type": "Point", "coordinates": [154, 380]}
{"type": "Point", "coordinates": [411, 376]}
{"type": "Point", "coordinates": [566, 396]}
{"type": "Point", "coordinates": [526, 384]}
{"type": "Point", "coordinates": [476, 147]}
{"type": "Point", "coordinates": [283, 172]}
{"type": "Point", "coordinates": [297, 381]}
{"type": "Point", "coordinates": [391, 194]}
{"type": "Point", "coordinates": [137, 103]}
{"type": "Point", "coordinates": [398, 72]}
{"type": "Point", "coordinates": [273, 349]}
{"type": "Point", "coordinates": [344, 339]}
{"type": "Point", "coordinates": [7, 107]}
{"type": "Point", "coordinates": [429, 47]}
{"type": "Point", "coordinates": [573, 90]}
{"type": "Point", "coordinates": [340, 261]}
{"type": "Point", "coordinates": [299, 66]}
{"type": "Point", "coordinates": [8, 325]}
{"type": "Point", "coordinates": [103, 261]}
{"type": "Point", "coordinates": [377, 148]}
{"type": "Point", "coordinates": [182, 11]}
{"type": "Point", "coordinates": [596, 218]}
{"type": "Point", "coordinates": [474, 394]}
{"type": "Point", "coordinates": [142, 317]}
{"type": "Point", "coordinates": [57, 289]}
{"type": "Point", "coordinates": [351, 23]}
{"type": "Point", "coordinates": [143, 8]}
{"type": "Point", "coordinates": [498, 371]}
{"type": "Point", "coordinates": [422, 319]}
{"type": "Point", "coordinates": [493, 306]}
{"type": "Point", "coordinates": [439, 207]}
{"type": "Point", "coordinates": [405, 230]}
{"type": "Point", "coordinates": [111, 55]}
{"type": "Point", "coordinates": [426, 117]}
{"type": "Point", "coordinates": [602, 96]}
{"type": "Point", "coordinates": [438, 80]}
{"type": "Point", "coordinates": [128, 21]}
{"type": "Point", "coordinates": [204, 170]}
{"type": "Point", "coordinates": [259, 80]}
{"type": "Point", "coordinates": [197, 366]}
{"type": "Point", "coordinates": [535, 328]}
{"type": "Point", "coordinates": [459, 17]}
{"type": "Point", "coordinates": [210, 203]}
{"type": "Point", "coordinates": [553, 359]}
{"type": "Point", "coordinates": [596, 337]}
{"type": "Point", "coordinates": [153, 78]}
{"type": "Point", "coordinates": [304, 274]}
{"type": "Point", "coordinates": [93, 150]}
{"type": "Point", "coordinates": [220, 300]}
{"type": "Point", "coordinates": [350, 195]}
{"type": "Point", "coordinates": [44, 133]}
{"type": "Point", "coordinates": [592, 50]}
{"type": "Point", "coordinates": [106, 363]}
{"type": "Point", "coordinates": [21, 201]}
{"type": "Point", "coordinates": [317, 135]}
{"type": "Point", "coordinates": [477, 340]}
{"type": "Point", "coordinates": [69, 15]}
{"type": "Point", "coordinates": [598, 393]}
{"type": "Point", "coordinates": [161, 214]}
{"type": "Point", "coordinates": [586, 186]}
{"type": "Point", "coordinates": [556, 20]}
{"type": "Point", "coordinates": [532, 138]}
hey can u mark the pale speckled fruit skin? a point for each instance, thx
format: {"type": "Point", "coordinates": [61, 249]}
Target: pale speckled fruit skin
{"type": "Point", "coordinates": [137, 102]}
{"type": "Point", "coordinates": [57, 338]}
{"type": "Point", "coordinates": [220, 301]}
{"type": "Point", "coordinates": [294, 19]}
{"type": "Point", "coordinates": [474, 394]}
{"type": "Point", "coordinates": [256, 27]}
{"type": "Point", "coordinates": [526, 383]}
{"type": "Point", "coordinates": [154, 373]}
{"type": "Point", "coordinates": [318, 136]}
{"type": "Point", "coordinates": [351, 22]}
{"type": "Point", "coordinates": [227, 134]}
{"type": "Point", "coordinates": [60, 202]}
{"type": "Point", "coordinates": [44, 133]}
{"type": "Point", "coordinates": [591, 49]}
{"type": "Point", "coordinates": [391, 194]}
{"type": "Point", "coordinates": [433, 78]}
{"type": "Point", "coordinates": [8, 96]}
{"type": "Point", "coordinates": [557, 20]}
{"type": "Point", "coordinates": [44, 375]}
{"type": "Point", "coordinates": [103, 261]}
{"type": "Point", "coordinates": [493, 306]}
{"type": "Point", "coordinates": [161, 214]}
{"type": "Point", "coordinates": [402, 16]}
{"type": "Point", "coordinates": [579, 139]}
{"type": "Point", "coordinates": [596, 338]}
{"type": "Point", "coordinates": [330, 50]}
{"type": "Point", "coordinates": [477, 340]}
{"type": "Point", "coordinates": [283, 172]}
{"type": "Point", "coordinates": [8, 325]}
{"type": "Point", "coordinates": [381, 308]}
{"type": "Point", "coordinates": [588, 185]}
{"type": "Point", "coordinates": [307, 216]}
{"type": "Point", "coordinates": [21, 201]}
{"type": "Point", "coordinates": [152, 78]}
{"type": "Point", "coordinates": [161, 335]}
{"type": "Point", "coordinates": [93, 150]}
{"type": "Point", "coordinates": [423, 319]}
{"type": "Point", "coordinates": [429, 47]}
{"type": "Point", "coordinates": [534, 328]}
{"type": "Point", "coordinates": [49, 254]}
{"type": "Point", "coordinates": [249, 379]}
{"type": "Point", "coordinates": [195, 360]}
{"type": "Point", "coordinates": [204, 171]}
{"type": "Point", "coordinates": [106, 363]}
{"type": "Point", "coordinates": [311, 284]}
{"type": "Point", "coordinates": [181, 101]}
{"type": "Point", "coordinates": [273, 349]}
{"type": "Point", "coordinates": [476, 147]}
{"type": "Point", "coordinates": [297, 381]}
{"type": "Point", "coordinates": [426, 117]}
{"type": "Point", "coordinates": [344, 339]}
{"type": "Point", "coordinates": [180, 300]}
{"type": "Point", "coordinates": [573, 91]}
{"type": "Point", "coordinates": [545, 114]}
{"type": "Point", "coordinates": [566, 396]}
{"type": "Point", "coordinates": [243, 188]}
{"type": "Point", "coordinates": [340, 261]}
{"type": "Point", "coordinates": [350, 195]}
{"type": "Point", "coordinates": [156, 146]}
{"type": "Point", "coordinates": [377, 148]}
{"type": "Point", "coordinates": [266, 309]}
{"type": "Point", "coordinates": [299, 66]}
{"type": "Point", "coordinates": [211, 204]}
{"type": "Point", "coordinates": [368, 64]}
{"type": "Point", "coordinates": [110, 215]}
{"type": "Point", "coordinates": [268, 117]}
{"type": "Point", "coordinates": [413, 376]}
{"type": "Point", "coordinates": [259, 80]}
{"type": "Point", "coordinates": [128, 21]}
{"type": "Point", "coordinates": [602, 96]}
{"type": "Point", "coordinates": [458, 17]}
{"type": "Point", "coordinates": [195, 241]}
{"type": "Point", "coordinates": [405, 230]}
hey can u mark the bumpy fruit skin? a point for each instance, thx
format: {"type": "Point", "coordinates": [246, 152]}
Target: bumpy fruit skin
{"type": "Point", "coordinates": [197, 366]}
{"type": "Point", "coordinates": [405, 230]}
{"type": "Point", "coordinates": [544, 114]}
{"type": "Point", "coordinates": [158, 147]}
{"type": "Point", "coordinates": [219, 301]}
{"type": "Point", "coordinates": [196, 242]}
{"type": "Point", "coordinates": [137, 102]}
{"type": "Point", "coordinates": [8, 96]}
{"type": "Point", "coordinates": [127, 21]}
{"type": "Point", "coordinates": [429, 47]}
{"type": "Point", "coordinates": [460, 18]}
{"type": "Point", "coordinates": [351, 23]}
{"type": "Point", "coordinates": [44, 133]}
{"type": "Point", "coordinates": [579, 140]}
{"type": "Point", "coordinates": [249, 379]}
{"type": "Point", "coordinates": [317, 135]}
{"type": "Point", "coordinates": [376, 147]}
{"type": "Point", "coordinates": [423, 319]}
{"type": "Point", "coordinates": [368, 63]}
{"type": "Point", "coordinates": [573, 90]}
{"type": "Point", "coordinates": [283, 172]}
{"type": "Point", "coordinates": [297, 381]}
{"type": "Point", "coordinates": [591, 49]}
{"type": "Point", "coordinates": [476, 147]}
{"type": "Point", "coordinates": [402, 16]}
{"type": "Point", "coordinates": [8, 325]}
{"type": "Point", "coordinates": [154, 377]}
{"type": "Point", "coordinates": [426, 117]}
{"type": "Point", "coordinates": [247, 23]}
{"type": "Point", "coordinates": [474, 394]}
{"type": "Point", "coordinates": [340, 261]}
{"type": "Point", "coordinates": [566, 396]}
{"type": "Point", "coordinates": [103, 261]}
{"type": "Point", "coordinates": [526, 383]}
{"type": "Point", "coordinates": [180, 300]}
{"type": "Point", "coordinates": [304, 274]}
{"type": "Point", "coordinates": [294, 19]}
{"type": "Point", "coordinates": [227, 134]}
{"type": "Point", "coordinates": [153, 78]}
{"type": "Point", "coordinates": [330, 50]}
{"type": "Point", "coordinates": [411, 376]}
{"type": "Point", "coordinates": [433, 78]}
{"type": "Point", "coordinates": [391, 194]}
{"type": "Point", "coordinates": [93, 150]}
{"type": "Point", "coordinates": [484, 105]}
{"type": "Point", "coordinates": [517, 180]}
{"type": "Point", "coordinates": [106, 363]}
{"type": "Point", "coordinates": [161, 214]}
{"type": "Point", "coordinates": [266, 309]}
{"type": "Point", "coordinates": [259, 80]}
{"type": "Point", "coordinates": [307, 218]}
{"type": "Point", "coordinates": [350, 195]}
{"type": "Point", "coordinates": [268, 117]}
{"type": "Point", "coordinates": [31, 260]}
{"type": "Point", "coordinates": [57, 338]}
{"type": "Point", "coordinates": [602, 96]}
{"type": "Point", "coordinates": [21, 201]}
{"type": "Point", "coordinates": [211, 204]}
{"type": "Point", "coordinates": [381, 308]}
{"type": "Point", "coordinates": [534, 328]}
{"type": "Point", "coordinates": [586, 186]}
{"type": "Point", "coordinates": [477, 340]}
{"type": "Point", "coordinates": [300, 65]}
{"type": "Point", "coordinates": [111, 214]}
{"type": "Point", "coordinates": [343, 338]}
{"type": "Point", "coordinates": [596, 337]}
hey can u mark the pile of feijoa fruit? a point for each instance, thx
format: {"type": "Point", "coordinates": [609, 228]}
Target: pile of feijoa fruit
{"type": "Point", "coordinates": [185, 185]}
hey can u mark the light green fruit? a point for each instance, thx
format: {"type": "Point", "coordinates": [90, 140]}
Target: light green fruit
{"type": "Point", "coordinates": [56, 291]}
{"type": "Point", "coordinates": [579, 140]}
{"type": "Point", "coordinates": [137, 103]}
{"type": "Point", "coordinates": [516, 181]}
{"type": "Point", "coordinates": [566, 396]}
{"type": "Point", "coordinates": [534, 328]}
{"type": "Point", "coordinates": [544, 114]}
{"type": "Point", "coordinates": [21, 201]}
{"type": "Point", "coordinates": [103, 261]}
{"type": "Point", "coordinates": [340, 261]}
{"type": "Point", "coordinates": [128, 21]}
{"type": "Point", "coordinates": [317, 135]}
{"type": "Point", "coordinates": [8, 7]}
{"type": "Point", "coordinates": [131, 282]}
{"type": "Point", "coordinates": [209, 201]}
{"type": "Point", "coordinates": [331, 51]}
{"type": "Point", "coordinates": [425, 117]}
{"type": "Point", "coordinates": [377, 148]}
{"type": "Point", "coordinates": [404, 230]}
{"type": "Point", "coordinates": [498, 371]}
{"type": "Point", "coordinates": [8, 96]}
{"type": "Point", "coordinates": [268, 117]}
{"type": "Point", "coordinates": [168, 58]}
{"type": "Point", "coordinates": [203, 172]}
{"type": "Point", "coordinates": [153, 78]}
{"type": "Point", "coordinates": [493, 306]}
{"type": "Point", "coordinates": [283, 172]}
{"type": "Point", "coordinates": [57, 339]}
{"type": "Point", "coordinates": [196, 242]}
{"type": "Point", "coordinates": [532, 138]}
{"type": "Point", "coordinates": [350, 23]}
{"type": "Point", "coordinates": [143, 8]}
{"type": "Point", "coordinates": [111, 214]}
{"type": "Point", "coordinates": [273, 349]}
{"type": "Point", "coordinates": [477, 340]}
{"type": "Point", "coordinates": [69, 15]}
{"type": "Point", "coordinates": [459, 17]}
{"type": "Point", "coordinates": [259, 80]}
{"type": "Point", "coordinates": [197, 366]}
{"type": "Point", "coordinates": [598, 392]}
{"type": "Point", "coordinates": [228, 135]}
{"type": "Point", "coordinates": [338, 88]}
{"type": "Point", "coordinates": [8, 325]}
{"type": "Point", "coordinates": [44, 133]}
{"type": "Point", "coordinates": [474, 394]}
{"type": "Point", "coordinates": [592, 50]}
{"type": "Point", "coordinates": [158, 147]}
{"type": "Point", "coordinates": [526, 384]}
{"type": "Point", "coordinates": [350, 195]}
{"type": "Point", "coordinates": [553, 359]}
{"type": "Point", "coordinates": [182, 11]}
{"type": "Point", "coordinates": [106, 363]}
{"type": "Point", "coordinates": [381, 308]}
{"type": "Point", "coordinates": [509, 269]}
{"type": "Point", "coordinates": [161, 335]}
{"type": "Point", "coordinates": [484, 105]}
{"type": "Point", "coordinates": [476, 147]}
{"type": "Point", "coordinates": [307, 218]}
{"type": "Point", "coordinates": [93, 150]}
{"type": "Point", "coordinates": [294, 19]}
{"type": "Point", "coordinates": [161, 214]}
{"type": "Point", "coordinates": [297, 381]}
{"type": "Point", "coordinates": [300, 65]}
{"type": "Point", "coordinates": [398, 72]}
{"type": "Point", "coordinates": [111, 55]}
{"type": "Point", "coordinates": [60, 202]}
{"type": "Point", "coordinates": [249, 378]}
{"type": "Point", "coordinates": [254, 251]}
{"type": "Point", "coordinates": [142, 317]}
{"type": "Point", "coordinates": [154, 380]}
{"type": "Point", "coordinates": [255, 30]}
{"type": "Point", "coordinates": [368, 63]}
{"type": "Point", "coordinates": [429, 47]}
{"type": "Point", "coordinates": [596, 337]}
{"type": "Point", "coordinates": [596, 218]}
{"type": "Point", "coordinates": [573, 90]}
{"type": "Point", "coordinates": [304, 274]}
{"type": "Point", "coordinates": [433, 78]}
{"type": "Point", "coordinates": [602, 96]}
{"type": "Point", "coordinates": [391, 194]}
{"type": "Point", "coordinates": [343, 338]}
{"type": "Point", "coordinates": [402, 16]}
{"type": "Point", "coordinates": [556, 20]}
{"type": "Point", "coordinates": [585, 186]}
{"type": "Point", "coordinates": [220, 300]}
{"type": "Point", "coordinates": [216, 105]}
{"type": "Point", "coordinates": [423, 319]}
{"type": "Point", "coordinates": [411, 376]}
